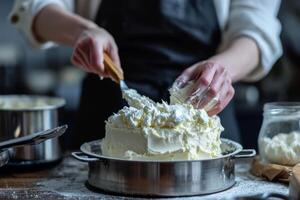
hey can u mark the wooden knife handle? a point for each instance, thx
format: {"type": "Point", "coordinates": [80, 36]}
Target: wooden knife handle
{"type": "Point", "coordinates": [112, 69]}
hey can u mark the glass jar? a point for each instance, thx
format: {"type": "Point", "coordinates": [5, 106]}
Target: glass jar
{"type": "Point", "coordinates": [279, 137]}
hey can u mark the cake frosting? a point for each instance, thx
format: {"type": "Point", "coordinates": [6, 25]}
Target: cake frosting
{"type": "Point", "coordinates": [283, 148]}
{"type": "Point", "coordinates": [147, 130]}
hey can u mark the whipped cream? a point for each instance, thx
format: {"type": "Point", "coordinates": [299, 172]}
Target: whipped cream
{"type": "Point", "coordinates": [147, 130]}
{"type": "Point", "coordinates": [283, 148]}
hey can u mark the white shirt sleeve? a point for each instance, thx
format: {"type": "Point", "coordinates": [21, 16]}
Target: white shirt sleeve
{"type": "Point", "coordinates": [24, 11]}
{"type": "Point", "coordinates": [257, 20]}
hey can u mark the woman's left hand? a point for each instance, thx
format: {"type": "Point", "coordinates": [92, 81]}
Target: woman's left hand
{"type": "Point", "coordinates": [212, 81]}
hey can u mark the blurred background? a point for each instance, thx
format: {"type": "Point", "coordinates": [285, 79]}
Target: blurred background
{"type": "Point", "coordinates": [49, 72]}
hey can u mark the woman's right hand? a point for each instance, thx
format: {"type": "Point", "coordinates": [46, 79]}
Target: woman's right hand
{"type": "Point", "coordinates": [88, 53]}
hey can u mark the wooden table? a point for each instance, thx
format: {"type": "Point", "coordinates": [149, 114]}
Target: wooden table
{"type": "Point", "coordinates": [67, 181]}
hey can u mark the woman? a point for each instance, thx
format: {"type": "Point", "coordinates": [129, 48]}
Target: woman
{"type": "Point", "coordinates": [215, 43]}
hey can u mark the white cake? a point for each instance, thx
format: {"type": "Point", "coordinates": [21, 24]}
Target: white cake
{"type": "Point", "coordinates": [158, 131]}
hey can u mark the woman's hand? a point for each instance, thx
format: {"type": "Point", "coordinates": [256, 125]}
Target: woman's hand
{"type": "Point", "coordinates": [211, 81]}
{"type": "Point", "coordinates": [89, 51]}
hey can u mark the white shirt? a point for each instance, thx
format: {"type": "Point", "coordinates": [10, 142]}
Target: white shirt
{"type": "Point", "coordinates": [256, 19]}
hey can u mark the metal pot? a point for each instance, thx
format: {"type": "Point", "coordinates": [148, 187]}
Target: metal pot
{"type": "Point", "coordinates": [22, 115]}
{"type": "Point", "coordinates": [162, 178]}
{"type": "Point", "coordinates": [34, 138]}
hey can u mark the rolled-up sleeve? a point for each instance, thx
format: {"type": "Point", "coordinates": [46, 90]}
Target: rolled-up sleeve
{"type": "Point", "coordinates": [24, 11]}
{"type": "Point", "coordinates": [258, 20]}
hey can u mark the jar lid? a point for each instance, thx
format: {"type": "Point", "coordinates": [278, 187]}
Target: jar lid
{"type": "Point", "coordinates": [282, 108]}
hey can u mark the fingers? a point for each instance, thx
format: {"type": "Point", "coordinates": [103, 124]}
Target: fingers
{"type": "Point", "coordinates": [96, 57]}
{"type": "Point", "coordinates": [81, 53]}
{"type": "Point", "coordinates": [225, 94]}
{"type": "Point", "coordinates": [212, 83]}
{"type": "Point", "coordinates": [79, 60]}
{"type": "Point", "coordinates": [91, 53]}
{"type": "Point", "coordinates": [114, 54]}
{"type": "Point", "coordinates": [88, 53]}
{"type": "Point", "coordinates": [76, 60]}
{"type": "Point", "coordinates": [226, 97]}
{"type": "Point", "coordinates": [187, 75]}
{"type": "Point", "coordinates": [214, 88]}
{"type": "Point", "coordinates": [204, 77]}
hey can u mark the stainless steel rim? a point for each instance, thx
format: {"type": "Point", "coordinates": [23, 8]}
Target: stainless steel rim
{"type": "Point", "coordinates": [52, 102]}
{"type": "Point", "coordinates": [234, 150]}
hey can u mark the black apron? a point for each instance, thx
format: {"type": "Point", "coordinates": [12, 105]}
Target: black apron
{"type": "Point", "coordinates": [157, 40]}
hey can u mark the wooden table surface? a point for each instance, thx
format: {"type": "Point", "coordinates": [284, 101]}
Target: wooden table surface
{"type": "Point", "coordinates": [67, 181]}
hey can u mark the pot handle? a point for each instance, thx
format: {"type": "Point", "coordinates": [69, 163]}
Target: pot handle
{"type": "Point", "coordinates": [245, 153]}
{"type": "Point", "coordinates": [82, 157]}
{"type": "Point", "coordinates": [34, 138]}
